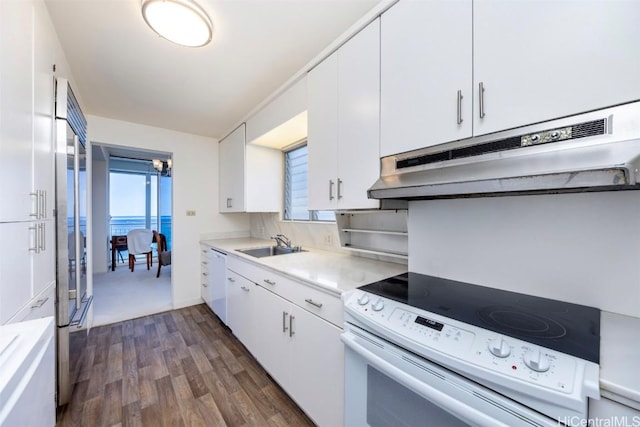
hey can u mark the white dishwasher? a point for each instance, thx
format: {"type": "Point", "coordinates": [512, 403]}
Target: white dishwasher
{"type": "Point", "coordinates": [218, 283]}
{"type": "Point", "coordinates": [27, 373]}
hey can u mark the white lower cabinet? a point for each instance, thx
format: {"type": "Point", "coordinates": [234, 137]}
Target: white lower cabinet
{"type": "Point", "coordinates": [613, 413]}
{"type": "Point", "coordinates": [304, 354]}
{"type": "Point", "coordinates": [242, 316]}
{"type": "Point", "coordinates": [317, 365]}
{"type": "Point", "coordinates": [26, 268]}
{"type": "Point", "coordinates": [300, 350]}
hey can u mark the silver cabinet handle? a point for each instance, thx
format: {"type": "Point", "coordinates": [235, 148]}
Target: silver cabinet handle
{"type": "Point", "coordinates": [36, 247]}
{"type": "Point", "coordinates": [460, 107]}
{"type": "Point", "coordinates": [36, 214]}
{"type": "Point", "coordinates": [291, 332]}
{"type": "Point", "coordinates": [481, 98]}
{"type": "Point", "coordinates": [244, 288]}
{"type": "Point", "coordinates": [42, 204]}
{"type": "Point", "coordinates": [312, 302]}
{"type": "Point", "coordinates": [231, 279]}
{"type": "Point", "coordinates": [43, 235]}
{"type": "Point", "coordinates": [331, 189]}
{"type": "Point", "coordinates": [229, 202]}
{"type": "Point", "coordinates": [284, 321]}
{"type": "Point", "coordinates": [269, 282]}
{"type": "Point", "coordinates": [339, 188]}
{"type": "Point", "coordinates": [40, 303]}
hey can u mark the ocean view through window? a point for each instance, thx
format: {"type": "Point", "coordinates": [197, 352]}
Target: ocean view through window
{"type": "Point", "coordinates": [135, 202]}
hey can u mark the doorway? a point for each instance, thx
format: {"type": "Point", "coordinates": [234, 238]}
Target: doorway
{"type": "Point", "coordinates": [138, 193]}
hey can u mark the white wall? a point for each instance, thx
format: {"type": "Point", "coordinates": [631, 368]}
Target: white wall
{"type": "Point", "coordinates": [100, 214]}
{"type": "Point", "coordinates": [582, 248]}
{"type": "Point", "coordinates": [195, 187]}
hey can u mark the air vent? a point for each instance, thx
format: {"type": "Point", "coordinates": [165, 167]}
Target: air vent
{"type": "Point", "coordinates": [581, 130]}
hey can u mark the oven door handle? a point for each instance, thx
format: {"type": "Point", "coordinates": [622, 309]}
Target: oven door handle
{"type": "Point", "coordinates": [444, 401]}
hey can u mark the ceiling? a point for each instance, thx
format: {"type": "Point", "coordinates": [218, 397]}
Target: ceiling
{"type": "Point", "coordinates": [124, 71]}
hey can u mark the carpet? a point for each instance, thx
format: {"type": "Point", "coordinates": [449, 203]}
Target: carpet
{"type": "Point", "coordinates": [121, 294]}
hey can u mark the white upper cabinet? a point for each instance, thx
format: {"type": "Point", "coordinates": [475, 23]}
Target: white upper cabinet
{"type": "Point", "coordinates": [231, 169]}
{"type": "Point", "coordinates": [43, 110]}
{"type": "Point", "coordinates": [513, 63]}
{"type": "Point", "coordinates": [16, 110]}
{"type": "Point", "coordinates": [359, 118]}
{"type": "Point", "coordinates": [250, 177]}
{"type": "Point", "coordinates": [426, 77]}
{"type": "Point", "coordinates": [344, 120]}
{"type": "Point", "coordinates": [322, 141]}
{"type": "Point", "coordinates": [543, 60]}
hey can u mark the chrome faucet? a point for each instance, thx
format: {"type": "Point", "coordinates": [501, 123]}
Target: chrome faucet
{"type": "Point", "coordinates": [282, 240]}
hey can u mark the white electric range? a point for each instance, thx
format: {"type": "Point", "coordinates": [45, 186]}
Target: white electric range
{"type": "Point", "coordinates": [422, 350]}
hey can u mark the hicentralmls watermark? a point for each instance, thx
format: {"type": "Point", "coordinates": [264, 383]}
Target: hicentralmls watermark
{"type": "Point", "coordinates": [614, 421]}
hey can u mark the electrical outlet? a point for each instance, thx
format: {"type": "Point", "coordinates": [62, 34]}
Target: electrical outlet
{"type": "Point", "coordinates": [191, 213]}
{"type": "Point", "coordinates": [328, 239]}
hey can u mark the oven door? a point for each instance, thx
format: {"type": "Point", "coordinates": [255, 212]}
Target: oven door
{"type": "Point", "coordinates": [385, 385]}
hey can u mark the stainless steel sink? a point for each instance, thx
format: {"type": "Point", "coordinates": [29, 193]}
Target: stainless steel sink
{"type": "Point", "coordinates": [266, 251]}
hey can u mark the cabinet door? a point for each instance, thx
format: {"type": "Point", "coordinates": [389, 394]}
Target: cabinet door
{"type": "Point", "coordinates": [16, 112]}
{"type": "Point", "coordinates": [426, 59]}
{"type": "Point", "coordinates": [359, 118]}
{"type": "Point", "coordinates": [43, 110]}
{"type": "Point", "coordinates": [15, 266]}
{"type": "Point", "coordinates": [322, 140]}
{"type": "Point", "coordinates": [273, 346]}
{"type": "Point", "coordinates": [317, 368]}
{"type": "Point", "coordinates": [231, 155]}
{"type": "Point", "coordinates": [43, 260]}
{"type": "Point", "coordinates": [241, 317]}
{"type": "Point", "coordinates": [540, 60]}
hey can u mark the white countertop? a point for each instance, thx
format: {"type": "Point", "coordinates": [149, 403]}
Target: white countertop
{"type": "Point", "coordinates": [335, 272]}
{"type": "Point", "coordinates": [619, 358]}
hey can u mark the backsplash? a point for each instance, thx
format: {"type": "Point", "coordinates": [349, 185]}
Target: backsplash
{"type": "Point", "coordinates": [580, 248]}
{"type": "Point", "coordinates": [315, 234]}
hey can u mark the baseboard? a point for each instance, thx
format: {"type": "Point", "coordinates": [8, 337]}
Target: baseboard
{"type": "Point", "coordinates": [187, 302]}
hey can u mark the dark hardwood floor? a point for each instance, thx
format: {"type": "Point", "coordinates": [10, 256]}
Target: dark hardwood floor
{"type": "Point", "coordinates": [178, 368]}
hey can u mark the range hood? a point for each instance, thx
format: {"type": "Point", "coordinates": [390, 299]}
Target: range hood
{"type": "Point", "coordinates": [596, 151]}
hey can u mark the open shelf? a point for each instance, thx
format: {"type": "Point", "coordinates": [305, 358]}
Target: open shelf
{"type": "Point", "coordinates": [360, 230]}
{"type": "Point", "coordinates": [375, 232]}
{"type": "Point", "coordinates": [378, 252]}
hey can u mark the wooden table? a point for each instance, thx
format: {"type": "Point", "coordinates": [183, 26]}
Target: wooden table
{"type": "Point", "coordinates": [117, 243]}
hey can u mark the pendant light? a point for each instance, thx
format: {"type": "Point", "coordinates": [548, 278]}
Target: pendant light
{"type": "Point", "coordinates": [182, 22]}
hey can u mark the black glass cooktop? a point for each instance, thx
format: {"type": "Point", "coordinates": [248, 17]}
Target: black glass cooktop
{"type": "Point", "coordinates": [564, 327]}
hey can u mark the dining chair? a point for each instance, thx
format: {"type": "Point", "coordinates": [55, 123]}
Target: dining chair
{"type": "Point", "coordinates": [139, 242]}
{"type": "Point", "coordinates": [164, 255]}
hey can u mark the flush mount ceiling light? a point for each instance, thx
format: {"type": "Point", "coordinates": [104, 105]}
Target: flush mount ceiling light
{"type": "Point", "coordinates": [180, 21]}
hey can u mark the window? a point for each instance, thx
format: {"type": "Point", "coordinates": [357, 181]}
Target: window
{"type": "Point", "coordinates": [295, 188]}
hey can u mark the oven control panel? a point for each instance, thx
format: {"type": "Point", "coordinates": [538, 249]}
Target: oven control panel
{"type": "Point", "coordinates": [448, 341]}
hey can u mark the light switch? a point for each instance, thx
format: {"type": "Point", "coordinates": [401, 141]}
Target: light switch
{"type": "Point", "coordinates": [191, 213]}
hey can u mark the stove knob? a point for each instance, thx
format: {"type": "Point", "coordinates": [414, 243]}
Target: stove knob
{"type": "Point", "coordinates": [378, 305]}
{"type": "Point", "coordinates": [364, 299]}
{"type": "Point", "coordinates": [535, 360]}
{"type": "Point", "coordinates": [499, 347]}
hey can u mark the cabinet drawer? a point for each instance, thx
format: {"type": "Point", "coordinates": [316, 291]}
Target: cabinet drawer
{"type": "Point", "coordinates": [42, 305]}
{"type": "Point", "coordinates": [322, 304]}
{"type": "Point", "coordinates": [264, 277]}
